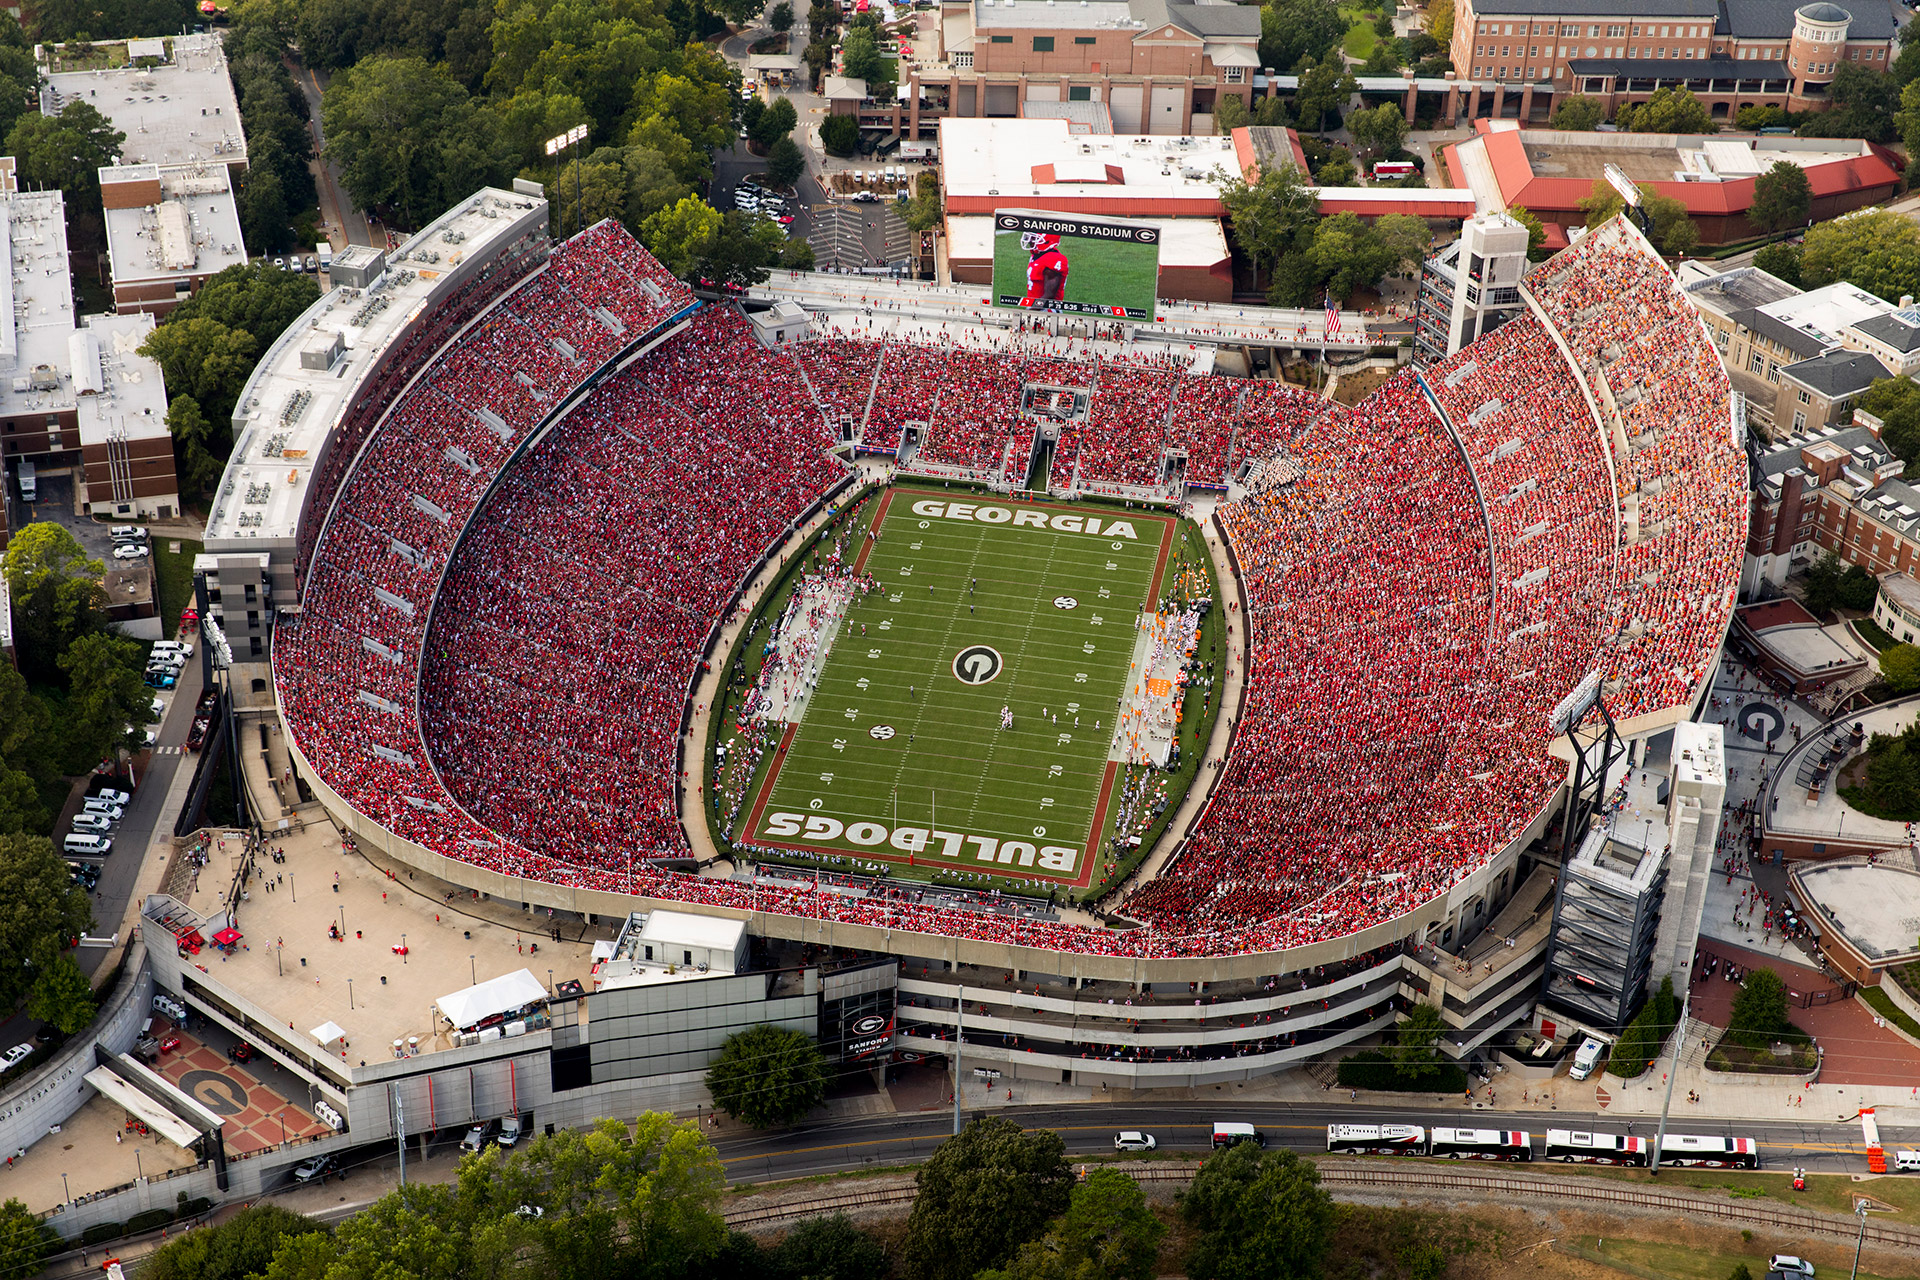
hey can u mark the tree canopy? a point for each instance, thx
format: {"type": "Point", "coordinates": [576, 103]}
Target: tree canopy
{"type": "Point", "coordinates": [988, 1190]}
{"type": "Point", "coordinates": [1759, 1008]}
{"type": "Point", "coordinates": [1876, 249]}
{"type": "Point", "coordinates": [1782, 197]}
{"type": "Point", "coordinates": [1292, 31]}
{"type": "Point", "coordinates": [24, 1241]}
{"type": "Point", "coordinates": [41, 912]}
{"type": "Point", "coordinates": [1673, 230]}
{"type": "Point", "coordinates": [1107, 1233]}
{"type": "Point", "coordinates": [1896, 402]}
{"type": "Point", "coordinates": [1900, 668]}
{"type": "Point", "coordinates": [1577, 112]}
{"type": "Point", "coordinates": [768, 1075]}
{"type": "Point", "coordinates": [1258, 1215]}
{"type": "Point", "coordinates": [1668, 110]}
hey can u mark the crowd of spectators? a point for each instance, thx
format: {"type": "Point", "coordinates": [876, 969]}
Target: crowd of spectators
{"type": "Point", "coordinates": [1423, 575]}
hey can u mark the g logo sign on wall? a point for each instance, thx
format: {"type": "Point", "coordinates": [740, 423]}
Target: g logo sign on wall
{"type": "Point", "coordinates": [871, 1025]}
{"type": "Point", "coordinates": [976, 664]}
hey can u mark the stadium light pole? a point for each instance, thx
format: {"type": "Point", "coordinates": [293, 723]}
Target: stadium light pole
{"type": "Point", "coordinates": [558, 144]}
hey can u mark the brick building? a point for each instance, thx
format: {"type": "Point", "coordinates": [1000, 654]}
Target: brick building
{"type": "Point", "coordinates": [1838, 490]}
{"type": "Point", "coordinates": [1728, 53]}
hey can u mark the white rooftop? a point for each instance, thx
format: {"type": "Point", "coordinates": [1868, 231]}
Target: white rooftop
{"type": "Point", "coordinates": [997, 158]}
{"type": "Point", "coordinates": [131, 402]}
{"type": "Point", "coordinates": [683, 928]}
{"type": "Point", "coordinates": [287, 411]}
{"type": "Point", "coordinates": [1825, 311]}
{"type": "Point", "coordinates": [193, 232]}
{"type": "Point", "coordinates": [180, 112]}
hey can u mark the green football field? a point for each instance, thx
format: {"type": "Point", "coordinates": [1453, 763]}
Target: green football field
{"type": "Point", "coordinates": [899, 756]}
{"type": "Point", "coordinates": [1100, 273]}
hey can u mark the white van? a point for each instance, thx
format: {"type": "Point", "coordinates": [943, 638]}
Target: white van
{"type": "Point", "coordinates": [1907, 1161]}
{"type": "Point", "coordinates": [1225, 1134]}
{"type": "Point", "coordinates": [128, 533]}
{"type": "Point", "coordinates": [88, 843]}
{"type": "Point", "coordinates": [1586, 1058]}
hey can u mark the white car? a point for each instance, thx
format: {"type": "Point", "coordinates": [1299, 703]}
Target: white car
{"type": "Point", "coordinates": [159, 708]}
{"type": "Point", "coordinates": [1132, 1140]}
{"type": "Point", "coordinates": [111, 812]}
{"type": "Point", "coordinates": [130, 551]}
{"type": "Point", "coordinates": [180, 647]}
{"type": "Point", "coordinates": [18, 1054]}
{"type": "Point", "coordinates": [92, 822]}
{"type": "Point", "coordinates": [1789, 1264]}
{"type": "Point", "coordinates": [115, 797]}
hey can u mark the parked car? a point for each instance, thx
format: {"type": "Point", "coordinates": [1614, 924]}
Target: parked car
{"type": "Point", "coordinates": [128, 533]}
{"type": "Point", "coordinates": [314, 1170]}
{"type": "Point", "coordinates": [84, 874]}
{"type": "Point", "coordinates": [1789, 1264]}
{"type": "Point", "coordinates": [114, 797]}
{"type": "Point", "coordinates": [91, 822]}
{"type": "Point", "coordinates": [131, 551]}
{"type": "Point", "coordinates": [111, 812]}
{"type": "Point", "coordinates": [17, 1055]}
{"type": "Point", "coordinates": [157, 679]}
{"type": "Point", "coordinates": [1133, 1140]}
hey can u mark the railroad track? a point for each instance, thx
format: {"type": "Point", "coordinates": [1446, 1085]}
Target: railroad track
{"type": "Point", "coordinates": [1338, 1177]}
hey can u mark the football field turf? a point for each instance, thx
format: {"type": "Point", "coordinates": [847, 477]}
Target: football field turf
{"type": "Point", "coordinates": [1100, 273]}
{"type": "Point", "coordinates": [899, 756]}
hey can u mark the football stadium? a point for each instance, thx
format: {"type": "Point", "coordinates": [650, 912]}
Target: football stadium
{"type": "Point", "coordinates": [1004, 668]}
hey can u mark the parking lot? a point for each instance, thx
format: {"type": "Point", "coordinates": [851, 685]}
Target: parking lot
{"type": "Point", "coordinates": [849, 237]}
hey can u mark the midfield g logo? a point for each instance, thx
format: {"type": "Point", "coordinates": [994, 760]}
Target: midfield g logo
{"type": "Point", "coordinates": [976, 664]}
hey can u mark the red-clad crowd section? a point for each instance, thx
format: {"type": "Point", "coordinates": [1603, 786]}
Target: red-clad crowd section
{"type": "Point", "coordinates": [1425, 576]}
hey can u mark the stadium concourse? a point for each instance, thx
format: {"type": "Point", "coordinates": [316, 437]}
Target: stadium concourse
{"type": "Point", "coordinates": [497, 644]}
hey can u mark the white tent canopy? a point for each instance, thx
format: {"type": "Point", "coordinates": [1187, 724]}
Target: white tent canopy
{"type": "Point", "coordinates": [328, 1032]}
{"type": "Point", "coordinates": [477, 1003]}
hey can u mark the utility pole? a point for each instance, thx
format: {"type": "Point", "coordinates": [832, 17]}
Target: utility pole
{"type": "Point", "coordinates": [959, 1025]}
{"type": "Point", "coordinates": [400, 1133]}
{"type": "Point", "coordinates": [1679, 1042]}
{"type": "Point", "coordinates": [1860, 1208]}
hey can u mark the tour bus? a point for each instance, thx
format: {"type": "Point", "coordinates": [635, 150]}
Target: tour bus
{"type": "Point", "coordinates": [1571, 1146]}
{"type": "Point", "coordinates": [1481, 1144]}
{"type": "Point", "coordinates": [1377, 1139]}
{"type": "Point", "coordinates": [1708, 1152]}
{"type": "Point", "coordinates": [1392, 169]}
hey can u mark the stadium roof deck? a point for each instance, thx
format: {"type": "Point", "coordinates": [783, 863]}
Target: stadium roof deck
{"type": "Point", "coordinates": [180, 112]}
{"type": "Point", "coordinates": [142, 242]}
{"type": "Point", "coordinates": [988, 164]}
{"type": "Point", "coordinates": [1873, 905]}
{"type": "Point", "coordinates": [268, 451]}
{"type": "Point", "coordinates": [391, 996]}
{"type": "Point", "coordinates": [1702, 158]}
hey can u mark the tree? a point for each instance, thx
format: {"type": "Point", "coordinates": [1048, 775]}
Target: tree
{"type": "Point", "coordinates": [1667, 111]}
{"type": "Point", "coordinates": [1907, 119]}
{"type": "Point", "coordinates": [1857, 589]}
{"type": "Point", "coordinates": [1258, 1215]}
{"type": "Point", "coordinates": [985, 1192]}
{"type": "Point", "coordinates": [1780, 260]}
{"type": "Point", "coordinates": [1862, 103]}
{"type": "Point", "coordinates": [1876, 249]}
{"type": "Point", "coordinates": [1759, 1011]}
{"type": "Point", "coordinates": [1900, 668]}
{"type": "Point", "coordinates": [1820, 585]}
{"type": "Point", "coordinates": [1440, 21]}
{"type": "Point", "coordinates": [104, 694]}
{"type": "Point", "coordinates": [207, 360]}
{"type": "Point", "coordinates": [678, 235]}
{"type": "Point", "coordinates": [62, 996]}
{"type": "Point", "coordinates": [1347, 255]}
{"type": "Point", "coordinates": [1578, 114]}
{"type": "Point", "coordinates": [66, 150]}
{"type": "Point", "coordinates": [768, 1076]}
{"type": "Point", "coordinates": [1673, 230]}
{"type": "Point", "coordinates": [1380, 130]}
{"type": "Point", "coordinates": [236, 1249]}
{"type": "Point", "coordinates": [1403, 239]}
{"type": "Point", "coordinates": [41, 911]}
{"type": "Point", "coordinates": [1896, 402]}
{"type": "Point", "coordinates": [262, 203]}
{"type": "Point", "coordinates": [781, 19]}
{"type": "Point", "coordinates": [861, 57]}
{"type": "Point", "coordinates": [255, 296]}
{"type": "Point", "coordinates": [1740, 1272]}
{"type": "Point", "coordinates": [1412, 1051]}
{"type": "Point", "coordinates": [1292, 31]}
{"type": "Point", "coordinates": [1644, 1035]}
{"type": "Point", "coordinates": [1229, 113]}
{"type": "Point", "coordinates": [839, 135]}
{"type": "Point", "coordinates": [409, 140]}
{"type": "Point", "coordinates": [828, 1249]}
{"type": "Point", "coordinates": [785, 163]}
{"type": "Point", "coordinates": [1107, 1231]}
{"type": "Point", "coordinates": [1536, 230]}
{"type": "Point", "coordinates": [1752, 119]}
{"type": "Point", "coordinates": [24, 1241]}
{"type": "Point", "coordinates": [1322, 88]}
{"type": "Point", "coordinates": [41, 551]}
{"type": "Point", "coordinates": [1782, 197]}
{"type": "Point", "coordinates": [1893, 774]}
{"type": "Point", "coordinates": [818, 55]}
{"type": "Point", "coordinates": [774, 123]}
{"type": "Point", "coordinates": [1269, 217]}
{"type": "Point", "coordinates": [196, 456]}
{"type": "Point", "coordinates": [823, 19]}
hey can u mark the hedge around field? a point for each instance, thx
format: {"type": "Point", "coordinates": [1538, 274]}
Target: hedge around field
{"type": "Point", "coordinates": [101, 1232]}
{"type": "Point", "coordinates": [1371, 1069]}
{"type": "Point", "coordinates": [148, 1219]}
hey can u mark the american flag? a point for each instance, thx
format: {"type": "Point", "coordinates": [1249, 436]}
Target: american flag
{"type": "Point", "coordinates": [1333, 317]}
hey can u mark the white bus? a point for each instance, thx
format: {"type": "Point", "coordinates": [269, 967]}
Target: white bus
{"type": "Point", "coordinates": [1709, 1152]}
{"type": "Point", "coordinates": [1377, 1139]}
{"type": "Point", "coordinates": [1481, 1144]}
{"type": "Point", "coordinates": [1572, 1146]}
{"type": "Point", "coordinates": [1387, 169]}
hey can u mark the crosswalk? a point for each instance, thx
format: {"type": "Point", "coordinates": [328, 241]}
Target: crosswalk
{"type": "Point", "coordinates": [167, 751]}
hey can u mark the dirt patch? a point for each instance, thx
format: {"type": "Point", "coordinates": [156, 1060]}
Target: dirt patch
{"type": "Point", "coordinates": [1358, 385]}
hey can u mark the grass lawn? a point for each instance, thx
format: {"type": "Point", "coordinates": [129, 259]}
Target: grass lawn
{"type": "Point", "coordinates": [174, 575]}
{"type": "Point", "coordinates": [1825, 1193]}
{"type": "Point", "coordinates": [1877, 1001]}
{"type": "Point", "coordinates": [1359, 40]}
{"type": "Point", "coordinates": [1684, 1262]}
{"type": "Point", "coordinates": [899, 757]}
{"type": "Point", "coordinates": [1870, 634]}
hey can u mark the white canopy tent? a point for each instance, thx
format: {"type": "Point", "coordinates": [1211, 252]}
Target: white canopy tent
{"type": "Point", "coordinates": [483, 1000]}
{"type": "Point", "coordinates": [328, 1034]}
